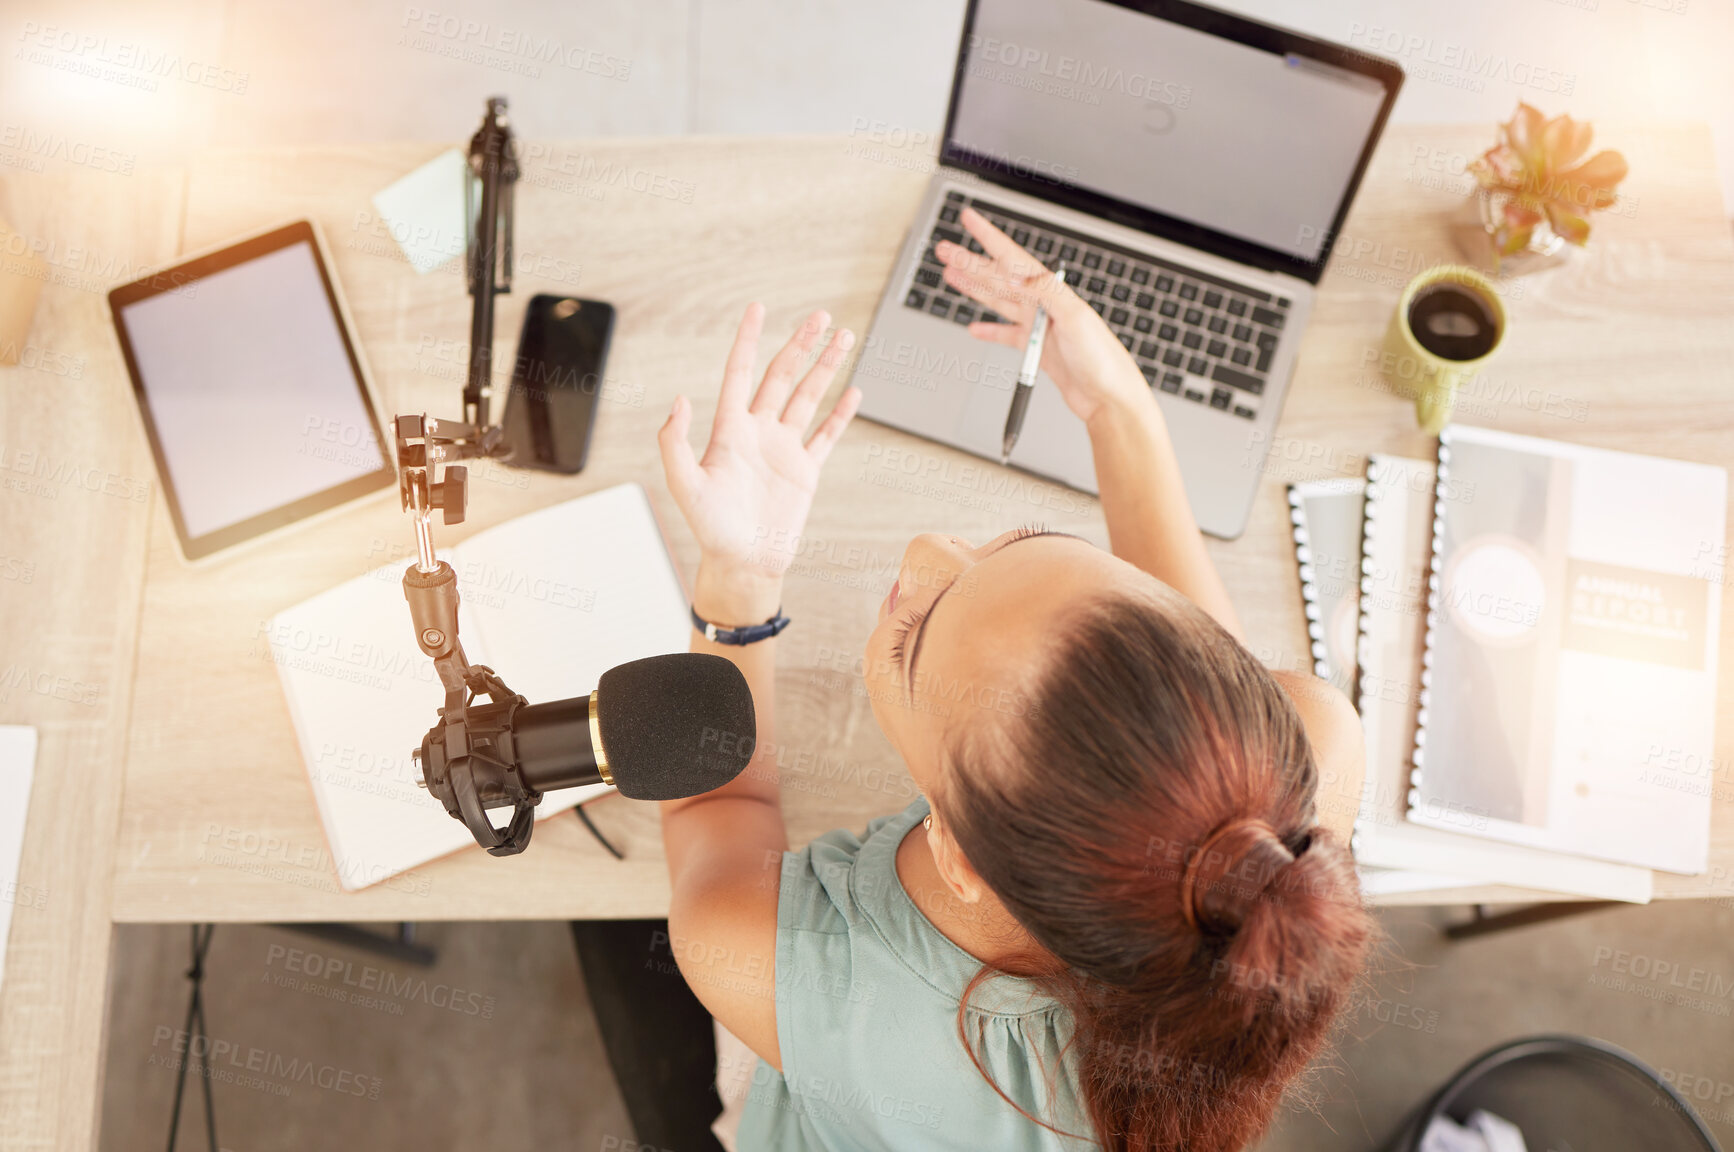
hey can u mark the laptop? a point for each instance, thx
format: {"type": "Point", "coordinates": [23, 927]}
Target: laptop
{"type": "Point", "coordinates": [1191, 168]}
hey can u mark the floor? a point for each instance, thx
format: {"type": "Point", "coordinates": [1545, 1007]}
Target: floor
{"type": "Point", "coordinates": [496, 1044]}
{"type": "Point", "coordinates": [319, 1045]}
{"type": "Point", "coordinates": [316, 1045]}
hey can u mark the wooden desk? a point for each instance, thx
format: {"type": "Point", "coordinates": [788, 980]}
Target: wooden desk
{"type": "Point", "coordinates": [76, 487]}
{"type": "Point", "coordinates": [218, 824]}
{"type": "Point", "coordinates": [1628, 346]}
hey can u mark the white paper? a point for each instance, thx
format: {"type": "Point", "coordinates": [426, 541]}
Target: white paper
{"type": "Point", "coordinates": [1574, 622]}
{"type": "Point", "coordinates": [1377, 882]}
{"type": "Point", "coordinates": [1500, 1134]}
{"type": "Point", "coordinates": [425, 211]}
{"type": "Point", "coordinates": [549, 601]}
{"type": "Point", "coordinates": [1327, 517]}
{"type": "Point", "coordinates": [17, 768]}
{"type": "Point", "coordinates": [1446, 1135]}
{"type": "Point", "coordinates": [1397, 548]}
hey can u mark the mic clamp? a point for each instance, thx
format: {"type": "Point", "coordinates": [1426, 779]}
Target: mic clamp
{"type": "Point", "coordinates": [468, 759]}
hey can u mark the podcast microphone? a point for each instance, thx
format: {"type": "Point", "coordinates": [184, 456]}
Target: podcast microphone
{"type": "Point", "coordinates": [657, 729]}
{"type": "Point", "coordinates": [661, 728]}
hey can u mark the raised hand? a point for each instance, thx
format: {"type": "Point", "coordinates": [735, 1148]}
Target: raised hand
{"type": "Point", "coordinates": [747, 497]}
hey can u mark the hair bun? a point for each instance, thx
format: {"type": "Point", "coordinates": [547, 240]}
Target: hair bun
{"type": "Point", "coordinates": [1229, 872]}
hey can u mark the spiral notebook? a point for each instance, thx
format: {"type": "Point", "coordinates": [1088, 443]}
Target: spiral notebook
{"type": "Point", "coordinates": [1574, 609]}
{"type": "Point", "coordinates": [1396, 543]}
{"type": "Point", "coordinates": [1327, 517]}
{"type": "Point", "coordinates": [549, 601]}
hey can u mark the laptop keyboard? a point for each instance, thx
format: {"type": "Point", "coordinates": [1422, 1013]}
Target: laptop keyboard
{"type": "Point", "coordinates": [1193, 335]}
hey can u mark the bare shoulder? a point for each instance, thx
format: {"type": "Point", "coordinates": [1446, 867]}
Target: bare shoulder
{"type": "Point", "coordinates": [1334, 730]}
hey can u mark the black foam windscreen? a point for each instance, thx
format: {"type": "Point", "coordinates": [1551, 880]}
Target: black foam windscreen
{"type": "Point", "coordinates": [675, 725]}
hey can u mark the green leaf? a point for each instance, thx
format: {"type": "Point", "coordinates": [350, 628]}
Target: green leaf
{"type": "Point", "coordinates": [1568, 224]}
{"type": "Point", "coordinates": [1513, 240]}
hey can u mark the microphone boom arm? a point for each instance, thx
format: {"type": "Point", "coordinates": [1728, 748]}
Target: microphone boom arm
{"type": "Point", "coordinates": [504, 752]}
{"type": "Point", "coordinates": [468, 761]}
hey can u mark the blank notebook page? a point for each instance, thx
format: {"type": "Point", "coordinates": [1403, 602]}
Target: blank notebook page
{"type": "Point", "coordinates": [564, 594]}
{"type": "Point", "coordinates": [549, 601]}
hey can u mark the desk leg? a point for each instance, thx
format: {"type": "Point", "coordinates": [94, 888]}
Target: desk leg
{"type": "Point", "coordinates": [1484, 923]}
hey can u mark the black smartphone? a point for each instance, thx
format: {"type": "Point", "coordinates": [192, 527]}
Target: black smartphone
{"type": "Point", "coordinates": [557, 380]}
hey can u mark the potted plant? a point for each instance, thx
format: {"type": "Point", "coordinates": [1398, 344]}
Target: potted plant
{"type": "Point", "coordinates": [1537, 191]}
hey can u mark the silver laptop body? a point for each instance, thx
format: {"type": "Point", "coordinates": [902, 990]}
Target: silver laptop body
{"type": "Point", "coordinates": [1072, 124]}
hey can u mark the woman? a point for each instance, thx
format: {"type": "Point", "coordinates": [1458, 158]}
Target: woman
{"type": "Point", "coordinates": [1114, 917]}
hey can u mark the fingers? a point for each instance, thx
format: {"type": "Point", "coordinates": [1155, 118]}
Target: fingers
{"type": "Point", "coordinates": [737, 383]}
{"type": "Point", "coordinates": [956, 255]}
{"type": "Point", "coordinates": [824, 437]}
{"type": "Point", "coordinates": [1011, 335]}
{"type": "Point", "coordinates": [999, 284]}
{"type": "Point", "coordinates": [774, 392]}
{"type": "Point", "coordinates": [805, 401]}
{"type": "Point", "coordinates": [1024, 278]}
{"type": "Point", "coordinates": [679, 465]}
{"type": "Point", "coordinates": [1010, 298]}
{"type": "Point", "coordinates": [998, 245]}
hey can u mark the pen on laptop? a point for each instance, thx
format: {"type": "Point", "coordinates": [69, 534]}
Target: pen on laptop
{"type": "Point", "coordinates": [1014, 420]}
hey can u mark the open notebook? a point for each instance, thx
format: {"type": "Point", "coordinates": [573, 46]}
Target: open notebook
{"type": "Point", "coordinates": [1327, 517]}
{"type": "Point", "coordinates": [550, 601]}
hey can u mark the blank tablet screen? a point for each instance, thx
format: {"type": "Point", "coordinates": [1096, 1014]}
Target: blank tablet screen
{"type": "Point", "coordinates": [254, 401]}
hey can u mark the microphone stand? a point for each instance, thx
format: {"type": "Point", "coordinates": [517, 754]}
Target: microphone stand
{"type": "Point", "coordinates": [476, 770]}
{"type": "Point", "coordinates": [488, 253]}
{"type": "Point", "coordinates": [501, 752]}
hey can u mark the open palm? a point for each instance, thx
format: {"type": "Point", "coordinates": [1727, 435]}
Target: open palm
{"type": "Point", "coordinates": [746, 499]}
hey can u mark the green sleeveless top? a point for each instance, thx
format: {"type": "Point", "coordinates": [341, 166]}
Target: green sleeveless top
{"type": "Point", "coordinates": [867, 995]}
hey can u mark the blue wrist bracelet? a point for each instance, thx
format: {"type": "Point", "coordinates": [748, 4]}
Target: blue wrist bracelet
{"type": "Point", "coordinates": [751, 634]}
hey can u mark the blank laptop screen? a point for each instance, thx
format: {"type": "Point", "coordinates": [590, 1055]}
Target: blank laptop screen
{"type": "Point", "coordinates": [1254, 144]}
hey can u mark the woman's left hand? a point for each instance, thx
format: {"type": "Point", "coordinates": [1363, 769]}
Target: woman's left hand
{"type": "Point", "coordinates": [746, 499]}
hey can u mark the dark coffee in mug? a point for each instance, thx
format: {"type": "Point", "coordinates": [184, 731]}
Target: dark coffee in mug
{"type": "Point", "coordinates": [1453, 321]}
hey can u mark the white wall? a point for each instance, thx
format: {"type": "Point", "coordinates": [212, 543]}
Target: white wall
{"type": "Point", "coordinates": [177, 74]}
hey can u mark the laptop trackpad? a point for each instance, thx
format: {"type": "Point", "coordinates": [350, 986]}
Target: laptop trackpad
{"type": "Point", "coordinates": [981, 428]}
{"type": "Point", "coordinates": [1053, 441]}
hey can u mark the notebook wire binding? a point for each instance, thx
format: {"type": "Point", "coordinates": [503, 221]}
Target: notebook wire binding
{"type": "Point", "coordinates": [1435, 565]}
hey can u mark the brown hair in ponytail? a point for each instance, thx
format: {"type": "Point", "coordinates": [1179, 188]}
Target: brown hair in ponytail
{"type": "Point", "coordinates": [1149, 821]}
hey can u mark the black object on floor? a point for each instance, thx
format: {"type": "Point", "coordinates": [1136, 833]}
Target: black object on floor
{"type": "Point", "coordinates": [400, 947]}
{"type": "Point", "coordinates": [657, 1034]}
{"type": "Point", "coordinates": [1567, 1092]}
{"type": "Point", "coordinates": [1486, 923]}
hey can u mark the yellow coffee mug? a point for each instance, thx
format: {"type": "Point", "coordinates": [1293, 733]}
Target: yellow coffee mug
{"type": "Point", "coordinates": [1426, 377]}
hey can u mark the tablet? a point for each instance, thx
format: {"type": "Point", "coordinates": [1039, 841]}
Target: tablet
{"type": "Point", "coordinates": [252, 393]}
